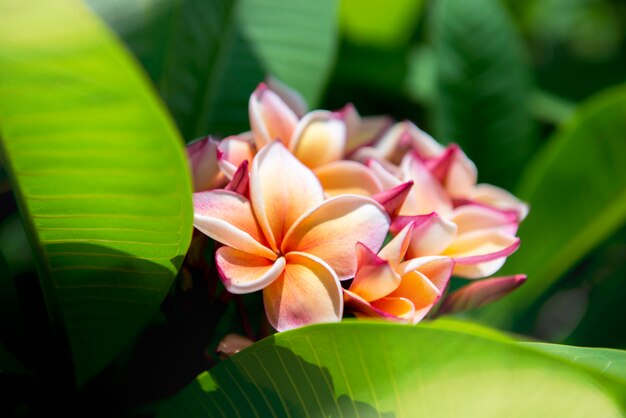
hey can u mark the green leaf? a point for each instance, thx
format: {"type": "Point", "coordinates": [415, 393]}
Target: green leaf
{"type": "Point", "coordinates": [577, 193]}
{"type": "Point", "coordinates": [207, 56]}
{"type": "Point", "coordinates": [99, 173]}
{"type": "Point", "coordinates": [387, 370]}
{"type": "Point", "coordinates": [382, 24]}
{"type": "Point", "coordinates": [606, 362]}
{"type": "Point", "coordinates": [483, 87]}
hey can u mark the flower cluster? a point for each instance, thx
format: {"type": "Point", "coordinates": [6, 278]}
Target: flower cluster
{"type": "Point", "coordinates": [303, 203]}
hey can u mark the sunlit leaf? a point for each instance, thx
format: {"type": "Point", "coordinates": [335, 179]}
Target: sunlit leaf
{"type": "Point", "coordinates": [577, 192]}
{"type": "Point", "coordinates": [207, 56]}
{"type": "Point", "coordinates": [607, 362]}
{"type": "Point", "coordinates": [483, 87]}
{"type": "Point", "coordinates": [99, 172]}
{"type": "Point", "coordinates": [382, 24]}
{"type": "Point", "coordinates": [442, 369]}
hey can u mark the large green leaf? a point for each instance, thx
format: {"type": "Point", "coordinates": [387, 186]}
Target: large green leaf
{"type": "Point", "coordinates": [609, 363]}
{"type": "Point", "coordinates": [483, 87]}
{"type": "Point", "coordinates": [577, 192]}
{"type": "Point", "coordinates": [386, 370]}
{"type": "Point", "coordinates": [207, 56]}
{"type": "Point", "coordinates": [99, 173]}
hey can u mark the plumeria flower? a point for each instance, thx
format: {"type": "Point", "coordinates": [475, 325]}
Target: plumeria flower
{"type": "Point", "coordinates": [320, 139]}
{"type": "Point", "coordinates": [454, 171]}
{"type": "Point", "coordinates": [287, 240]}
{"type": "Point", "coordinates": [387, 286]}
{"type": "Point", "coordinates": [478, 236]}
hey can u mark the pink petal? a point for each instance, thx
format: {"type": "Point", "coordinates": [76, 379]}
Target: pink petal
{"type": "Point", "coordinates": [227, 217]}
{"type": "Point", "coordinates": [393, 199]}
{"type": "Point", "coordinates": [387, 174]}
{"type": "Point", "coordinates": [422, 143]}
{"type": "Point", "coordinates": [307, 292]}
{"type": "Point", "coordinates": [270, 117]}
{"type": "Point", "coordinates": [319, 138]}
{"type": "Point", "coordinates": [481, 253]}
{"type": "Point", "coordinates": [431, 236]}
{"type": "Point", "coordinates": [454, 170]}
{"type": "Point", "coordinates": [291, 97]}
{"type": "Point", "coordinates": [429, 194]}
{"type": "Point", "coordinates": [362, 131]}
{"type": "Point", "coordinates": [405, 136]}
{"type": "Point", "coordinates": [205, 171]}
{"type": "Point", "coordinates": [474, 217]}
{"type": "Point", "coordinates": [243, 272]}
{"type": "Point", "coordinates": [232, 151]}
{"type": "Point", "coordinates": [395, 142]}
{"type": "Point", "coordinates": [480, 293]}
{"type": "Point", "coordinates": [240, 181]}
{"type": "Point", "coordinates": [499, 198]}
{"type": "Point", "coordinates": [374, 278]}
{"type": "Point", "coordinates": [331, 231]}
{"type": "Point", "coordinates": [347, 177]}
{"type": "Point", "coordinates": [281, 190]}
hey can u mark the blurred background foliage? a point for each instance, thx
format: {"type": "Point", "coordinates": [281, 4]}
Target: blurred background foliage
{"type": "Point", "coordinates": [508, 80]}
{"type": "Point", "coordinates": [533, 91]}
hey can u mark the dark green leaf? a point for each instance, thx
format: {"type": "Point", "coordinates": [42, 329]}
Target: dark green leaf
{"type": "Point", "coordinates": [99, 172]}
{"type": "Point", "coordinates": [483, 87]}
{"type": "Point", "coordinates": [577, 192]}
{"type": "Point", "coordinates": [207, 56]}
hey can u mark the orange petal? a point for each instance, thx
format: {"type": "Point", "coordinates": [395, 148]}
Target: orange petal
{"type": "Point", "coordinates": [363, 309]}
{"type": "Point", "coordinates": [398, 307]}
{"type": "Point", "coordinates": [307, 292]}
{"type": "Point", "coordinates": [227, 218]}
{"type": "Point", "coordinates": [270, 117]}
{"type": "Point", "coordinates": [347, 177]}
{"type": "Point", "coordinates": [281, 190]}
{"type": "Point", "coordinates": [243, 272]}
{"type": "Point", "coordinates": [319, 138]}
{"type": "Point", "coordinates": [374, 277]}
{"type": "Point", "coordinates": [416, 287]}
{"type": "Point", "coordinates": [438, 269]}
{"type": "Point", "coordinates": [481, 253]}
{"type": "Point", "coordinates": [331, 231]}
